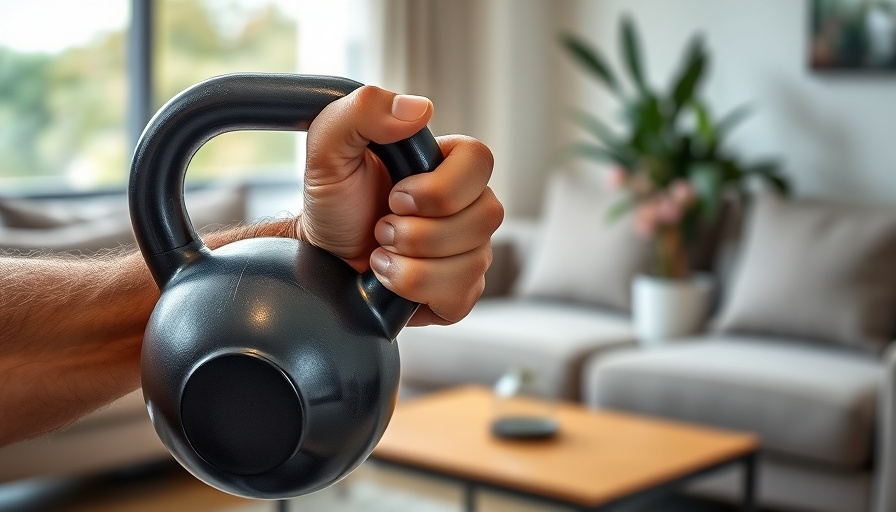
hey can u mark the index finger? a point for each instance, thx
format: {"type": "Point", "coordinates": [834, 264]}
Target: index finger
{"type": "Point", "coordinates": [452, 186]}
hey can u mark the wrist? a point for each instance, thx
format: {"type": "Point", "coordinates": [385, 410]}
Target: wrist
{"type": "Point", "coordinates": [280, 228]}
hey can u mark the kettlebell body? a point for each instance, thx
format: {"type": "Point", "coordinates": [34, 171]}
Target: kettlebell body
{"type": "Point", "coordinates": [269, 366]}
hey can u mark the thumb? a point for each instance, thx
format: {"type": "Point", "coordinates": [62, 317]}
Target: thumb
{"type": "Point", "coordinates": [338, 137]}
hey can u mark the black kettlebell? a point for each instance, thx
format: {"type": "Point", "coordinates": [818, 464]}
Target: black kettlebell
{"type": "Point", "coordinates": [269, 366]}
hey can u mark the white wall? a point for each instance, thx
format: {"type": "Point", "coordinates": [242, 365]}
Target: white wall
{"type": "Point", "coordinates": [835, 135]}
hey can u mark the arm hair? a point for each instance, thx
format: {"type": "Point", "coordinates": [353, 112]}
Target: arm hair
{"type": "Point", "coordinates": [71, 329]}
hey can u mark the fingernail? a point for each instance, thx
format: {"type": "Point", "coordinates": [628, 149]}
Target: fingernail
{"type": "Point", "coordinates": [385, 233]}
{"type": "Point", "coordinates": [409, 108]}
{"type": "Point", "coordinates": [402, 203]}
{"type": "Point", "coordinates": [380, 262]}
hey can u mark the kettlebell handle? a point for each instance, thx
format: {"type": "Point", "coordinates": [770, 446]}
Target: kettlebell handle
{"type": "Point", "coordinates": [243, 101]}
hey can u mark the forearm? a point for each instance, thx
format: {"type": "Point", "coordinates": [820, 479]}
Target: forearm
{"type": "Point", "coordinates": [71, 331]}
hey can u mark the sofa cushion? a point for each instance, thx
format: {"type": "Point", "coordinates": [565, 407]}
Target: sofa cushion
{"type": "Point", "coordinates": [117, 436]}
{"type": "Point", "coordinates": [580, 254]}
{"type": "Point", "coordinates": [29, 214]}
{"type": "Point", "coordinates": [802, 400]}
{"type": "Point", "coordinates": [98, 224]}
{"type": "Point", "coordinates": [816, 270]}
{"type": "Point", "coordinates": [552, 338]}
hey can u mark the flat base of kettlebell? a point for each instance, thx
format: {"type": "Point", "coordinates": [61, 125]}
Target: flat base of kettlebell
{"type": "Point", "coordinates": [242, 414]}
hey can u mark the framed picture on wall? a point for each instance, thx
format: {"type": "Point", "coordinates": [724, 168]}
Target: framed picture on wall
{"type": "Point", "coordinates": [853, 35]}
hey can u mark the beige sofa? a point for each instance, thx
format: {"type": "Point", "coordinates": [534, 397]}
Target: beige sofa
{"type": "Point", "coordinates": [799, 352]}
{"type": "Point", "coordinates": [546, 319]}
{"type": "Point", "coordinates": [121, 434]}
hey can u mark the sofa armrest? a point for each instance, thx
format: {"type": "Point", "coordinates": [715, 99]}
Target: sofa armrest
{"type": "Point", "coordinates": [511, 245]}
{"type": "Point", "coordinates": [884, 499]}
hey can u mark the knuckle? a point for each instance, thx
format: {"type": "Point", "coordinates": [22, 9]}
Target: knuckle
{"type": "Point", "coordinates": [468, 300]}
{"type": "Point", "coordinates": [487, 156]}
{"type": "Point", "coordinates": [483, 260]}
{"type": "Point", "coordinates": [480, 152]}
{"type": "Point", "coordinates": [458, 313]}
{"type": "Point", "coordinates": [489, 257]}
{"type": "Point", "coordinates": [367, 95]}
{"type": "Point", "coordinates": [494, 214]}
{"type": "Point", "coordinates": [476, 291]}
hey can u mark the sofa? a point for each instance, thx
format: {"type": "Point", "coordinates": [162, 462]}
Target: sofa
{"type": "Point", "coordinates": [797, 350]}
{"type": "Point", "coordinates": [119, 435]}
{"type": "Point", "coordinates": [543, 317]}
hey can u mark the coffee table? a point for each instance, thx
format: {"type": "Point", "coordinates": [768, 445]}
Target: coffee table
{"type": "Point", "coordinates": [600, 460]}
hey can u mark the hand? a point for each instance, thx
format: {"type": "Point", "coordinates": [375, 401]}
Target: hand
{"type": "Point", "coordinates": [428, 237]}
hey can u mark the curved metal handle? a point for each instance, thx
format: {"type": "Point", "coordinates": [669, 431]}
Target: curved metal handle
{"type": "Point", "coordinates": [242, 101]}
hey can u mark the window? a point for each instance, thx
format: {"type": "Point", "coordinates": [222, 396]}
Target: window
{"type": "Point", "coordinates": [64, 95]}
{"type": "Point", "coordinates": [194, 40]}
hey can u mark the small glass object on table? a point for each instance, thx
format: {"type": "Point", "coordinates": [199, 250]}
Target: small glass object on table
{"type": "Point", "coordinates": [523, 409]}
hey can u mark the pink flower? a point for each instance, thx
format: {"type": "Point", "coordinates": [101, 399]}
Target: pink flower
{"type": "Point", "coordinates": [668, 210]}
{"type": "Point", "coordinates": [616, 178]}
{"type": "Point", "coordinates": [646, 219]}
{"type": "Point", "coordinates": [683, 192]}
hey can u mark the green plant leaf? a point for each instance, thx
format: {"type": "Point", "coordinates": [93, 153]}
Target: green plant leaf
{"type": "Point", "coordinates": [597, 127]}
{"type": "Point", "coordinates": [733, 118]}
{"type": "Point", "coordinates": [681, 155]}
{"type": "Point", "coordinates": [705, 127]}
{"type": "Point", "coordinates": [706, 178]}
{"type": "Point", "coordinates": [732, 172]}
{"type": "Point", "coordinates": [648, 125]}
{"type": "Point", "coordinates": [690, 74]}
{"type": "Point", "coordinates": [631, 53]}
{"type": "Point", "coordinates": [595, 152]}
{"type": "Point", "coordinates": [620, 208]}
{"type": "Point", "coordinates": [592, 60]}
{"type": "Point", "coordinates": [769, 172]}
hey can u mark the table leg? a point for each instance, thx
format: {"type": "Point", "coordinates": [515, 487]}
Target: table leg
{"type": "Point", "coordinates": [469, 497]}
{"type": "Point", "coordinates": [750, 469]}
{"type": "Point", "coordinates": [282, 505]}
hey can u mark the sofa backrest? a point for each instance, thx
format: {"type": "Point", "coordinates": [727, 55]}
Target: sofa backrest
{"type": "Point", "coordinates": [98, 223]}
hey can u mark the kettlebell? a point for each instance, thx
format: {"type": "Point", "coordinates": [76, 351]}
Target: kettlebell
{"type": "Point", "coordinates": [269, 366]}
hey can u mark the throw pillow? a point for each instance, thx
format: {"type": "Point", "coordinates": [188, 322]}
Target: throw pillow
{"type": "Point", "coordinates": [816, 270]}
{"type": "Point", "coordinates": [580, 255]}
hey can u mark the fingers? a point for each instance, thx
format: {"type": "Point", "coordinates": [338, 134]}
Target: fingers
{"type": "Point", "coordinates": [425, 237]}
{"type": "Point", "coordinates": [436, 245]}
{"type": "Point", "coordinates": [436, 242]}
{"type": "Point", "coordinates": [449, 287]}
{"type": "Point", "coordinates": [345, 187]}
{"type": "Point", "coordinates": [456, 184]}
{"type": "Point", "coordinates": [338, 137]}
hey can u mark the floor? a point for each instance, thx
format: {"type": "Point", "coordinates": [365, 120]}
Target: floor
{"type": "Point", "coordinates": [166, 487]}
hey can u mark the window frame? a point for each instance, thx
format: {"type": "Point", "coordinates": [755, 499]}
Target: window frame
{"type": "Point", "coordinates": [139, 69]}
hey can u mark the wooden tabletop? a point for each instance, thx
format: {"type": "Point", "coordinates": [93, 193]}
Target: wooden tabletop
{"type": "Point", "coordinates": [597, 456]}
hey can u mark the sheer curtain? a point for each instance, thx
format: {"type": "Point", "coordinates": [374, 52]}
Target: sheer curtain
{"type": "Point", "coordinates": [493, 71]}
{"type": "Point", "coordinates": [437, 49]}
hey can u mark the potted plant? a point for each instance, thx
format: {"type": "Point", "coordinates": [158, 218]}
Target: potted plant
{"type": "Point", "coordinates": [669, 159]}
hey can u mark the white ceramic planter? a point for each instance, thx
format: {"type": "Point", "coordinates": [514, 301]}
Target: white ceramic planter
{"type": "Point", "coordinates": [665, 309]}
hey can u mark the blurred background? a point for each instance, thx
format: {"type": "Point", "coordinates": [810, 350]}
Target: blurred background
{"type": "Point", "coordinates": [79, 81]}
